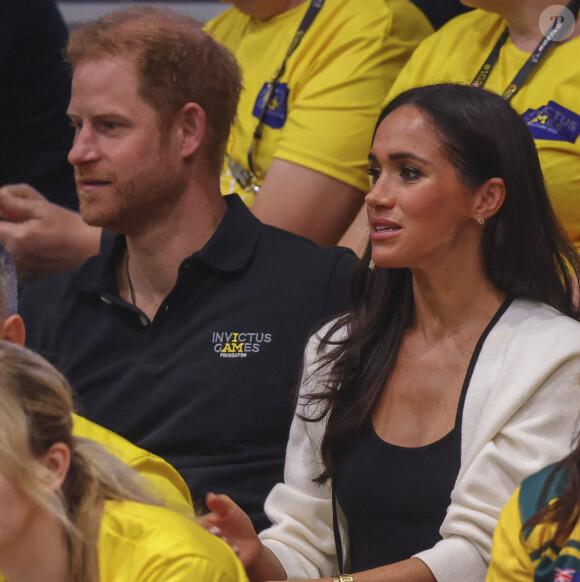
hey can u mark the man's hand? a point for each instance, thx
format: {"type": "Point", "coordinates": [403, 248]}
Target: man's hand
{"type": "Point", "coordinates": [42, 237]}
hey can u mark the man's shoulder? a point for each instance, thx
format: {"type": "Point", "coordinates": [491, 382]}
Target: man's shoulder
{"type": "Point", "coordinates": [34, 294]}
{"type": "Point", "coordinates": [300, 251]}
{"type": "Point", "coordinates": [53, 284]}
{"type": "Point", "coordinates": [51, 298]}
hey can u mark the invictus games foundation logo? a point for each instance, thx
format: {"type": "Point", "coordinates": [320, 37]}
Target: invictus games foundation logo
{"type": "Point", "coordinates": [238, 344]}
{"type": "Point", "coordinates": [558, 19]}
{"type": "Point", "coordinates": [553, 122]}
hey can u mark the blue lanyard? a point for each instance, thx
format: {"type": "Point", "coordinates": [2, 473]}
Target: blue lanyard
{"type": "Point", "coordinates": [243, 177]}
{"type": "Point", "coordinates": [539, 52]}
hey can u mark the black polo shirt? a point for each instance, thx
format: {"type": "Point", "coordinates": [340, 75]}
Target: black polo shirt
{"type": "Point", "coordinates": [208, 383]}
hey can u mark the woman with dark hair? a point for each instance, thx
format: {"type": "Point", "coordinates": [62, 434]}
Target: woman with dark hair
{"type": "Point", "coordinates": [527, 51]}
{"type": "Point", "coordinates": [537, 537]}
{"type": "Point", "coordinates": [71, 512]}
{"type": "Point", "coordinates": [421, 409]}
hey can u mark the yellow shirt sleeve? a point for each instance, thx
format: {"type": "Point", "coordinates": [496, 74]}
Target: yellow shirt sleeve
{"type": "Point", "coordinates": [166, 483]}
{"type": "Point", "coordinates": [144, 543]}
{"type": "Point", "coordinates": [510, 561]}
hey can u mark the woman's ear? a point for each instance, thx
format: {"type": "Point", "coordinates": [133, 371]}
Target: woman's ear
{"type": "Point", "coordinates": [56, 462]}
{"type": "Point", "coordinates": [490, 198]}
{"type": "Point", "coordinates": [13, 330]}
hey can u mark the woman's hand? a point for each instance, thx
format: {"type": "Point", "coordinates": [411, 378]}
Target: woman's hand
{"type": "Point", "coordinates": [229, 522]}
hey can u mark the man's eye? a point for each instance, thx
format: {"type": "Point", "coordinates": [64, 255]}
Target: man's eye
{"type": "Point", "coordinates": [374, 174]}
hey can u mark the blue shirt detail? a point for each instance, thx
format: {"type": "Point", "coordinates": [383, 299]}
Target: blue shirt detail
{"type": "Point", "coordinates": [277, 110]}
{"type": "Point", "coordinates": [554, 122]}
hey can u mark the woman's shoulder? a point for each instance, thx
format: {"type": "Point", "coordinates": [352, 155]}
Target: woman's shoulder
{"type": "Point", "coordinates": [138, 523]}
{"type": "Point", "coordinates": [532, 315]}
{"type": "Point", "coordinates": [140, 537]}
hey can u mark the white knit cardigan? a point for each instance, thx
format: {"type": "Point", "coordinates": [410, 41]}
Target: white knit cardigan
{"type": "Point", "coordinates": [520, 414]}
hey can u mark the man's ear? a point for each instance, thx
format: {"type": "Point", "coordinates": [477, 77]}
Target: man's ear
{"type": "Point", "coordinates": [192, 121]}
{"type": "Point", "coordinates": [490, 198]}
{"type": "Point", "coordinates": [13, 330]}
{"type": "Point", "coordinates": [56, 462]}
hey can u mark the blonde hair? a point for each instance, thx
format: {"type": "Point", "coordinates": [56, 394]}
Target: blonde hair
{"type": "Point", "coordinates": [35, 413]}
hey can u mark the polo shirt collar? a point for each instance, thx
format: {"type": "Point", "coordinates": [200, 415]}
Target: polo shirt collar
{"type": "Point", "coordinates": [228, 249]}
{"type": "Point", "coordinates": [232, 244]}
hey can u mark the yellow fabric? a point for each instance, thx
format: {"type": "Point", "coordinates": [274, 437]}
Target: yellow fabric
{"type": "Point", "coordinates": [337, 79]}
{"type": "Point", "coordinates": [167, 483]}
{"type": "Point", "coordinates": [456, 53]}
{"type": "Point", "coordinates": [143, 543]}
{"type": "Point", "coordinates": [509, 558]}
{"type": "Point", "coordinates": [517, 559]}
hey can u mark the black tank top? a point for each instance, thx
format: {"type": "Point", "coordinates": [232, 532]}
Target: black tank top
{"type": "Point", "coordinates": [394, 498]}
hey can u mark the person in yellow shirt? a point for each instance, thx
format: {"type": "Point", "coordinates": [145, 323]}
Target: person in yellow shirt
{"type": "Point", "coordinates": [162, 478]}
{"type": "Point", "coordinates": [547, 99]}
{"type": "Point", "coordinates": [537, 538]}
{"type": "Point", "coordinates": [70, 511]}
{"type": "Point", "coordinates": [309, 163]}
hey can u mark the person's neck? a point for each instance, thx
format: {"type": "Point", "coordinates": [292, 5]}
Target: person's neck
{"type": "Point", "coordinates": [454, 301]}
{"type": "Point", "coordinates": [151, 264]}
{"type": "Point", "coordinates": [524, 23]}
{"type": "Point", "coordinates": [42, 554]}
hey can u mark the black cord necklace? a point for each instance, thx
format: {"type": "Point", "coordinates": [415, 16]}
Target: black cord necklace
{"type": "Point", "coordinates": [131, 288]}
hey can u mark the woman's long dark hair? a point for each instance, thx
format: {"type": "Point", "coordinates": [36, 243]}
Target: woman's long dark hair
{"type": "Point", "coordinates": [565, 510]}
{"type": "Point", "coordinates": [525, 254]}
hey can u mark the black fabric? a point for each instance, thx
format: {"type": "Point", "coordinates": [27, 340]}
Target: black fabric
{"type": "Point", "coordinates": [35, 134]}
{"type": "Point", "coordinates": [220, 417]}
{"type": "Point", "coordinates": [440, 11]}
{"type": "Point", "coordinates": [395, 498]}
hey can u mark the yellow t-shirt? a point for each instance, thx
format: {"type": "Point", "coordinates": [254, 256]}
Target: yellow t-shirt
{"type": "Point", "coordinates": [143, 543]}
{"type": "Point", "coordinates": [548, 100]}
{"type": "Point", "coordinates": [531, 555]}
{"type": "Point", "coordinates": [167, 484]}
{"type": "Point", "coordinates": [330, 95]}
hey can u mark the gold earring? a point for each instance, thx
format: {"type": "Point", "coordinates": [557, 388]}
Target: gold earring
{"type": "Point", "coordinates": [371, 265]}
{"type": "Point", "coordinates": [480, 219]}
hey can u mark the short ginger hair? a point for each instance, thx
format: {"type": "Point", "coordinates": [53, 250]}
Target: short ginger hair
{"type": "Point", "coordinates": [176, 63]}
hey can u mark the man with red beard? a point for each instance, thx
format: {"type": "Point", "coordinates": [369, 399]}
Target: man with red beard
{"type": "Point", "coordinates": [185, 333]}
